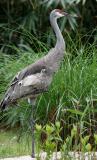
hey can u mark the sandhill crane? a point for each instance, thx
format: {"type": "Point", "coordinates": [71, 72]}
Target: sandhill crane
{"type": "Point", "coordinates": [36, 78]}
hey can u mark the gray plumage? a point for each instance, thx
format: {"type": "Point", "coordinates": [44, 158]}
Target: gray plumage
{"type": "Point", "coordinates": [36, 78]}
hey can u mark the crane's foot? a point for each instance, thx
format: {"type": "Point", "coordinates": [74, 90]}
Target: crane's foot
{"type": "Point", "coordinates": [33, 155]}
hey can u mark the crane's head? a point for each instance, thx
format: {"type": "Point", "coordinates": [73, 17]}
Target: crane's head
{"type": "Point", "coordinates": [57, 13]}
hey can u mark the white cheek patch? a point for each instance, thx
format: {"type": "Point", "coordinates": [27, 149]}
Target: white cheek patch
{"type": "Point", "coordinates": [59, 14]}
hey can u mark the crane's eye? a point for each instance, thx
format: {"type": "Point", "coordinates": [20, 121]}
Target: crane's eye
{"type": "Point", "coordinates": [59, 14]}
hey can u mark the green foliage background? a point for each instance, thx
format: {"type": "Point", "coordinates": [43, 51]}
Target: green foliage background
{"type": "Point", "coordinates": [32, 15]}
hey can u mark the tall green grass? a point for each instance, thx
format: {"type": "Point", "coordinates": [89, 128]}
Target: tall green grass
{"type": "Point", "coordinates": [72, 97]}
{"type": "Point", "coordinates": [10, 147]}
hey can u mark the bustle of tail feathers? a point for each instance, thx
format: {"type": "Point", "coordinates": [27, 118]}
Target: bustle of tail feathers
{"type": "Point", "coordinates": [3, 104]}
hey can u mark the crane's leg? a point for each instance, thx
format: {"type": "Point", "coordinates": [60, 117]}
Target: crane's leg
{"type": "Point", "coordinates": [32, 128]}
{"type": "Point", "coordinates": [32, 123]}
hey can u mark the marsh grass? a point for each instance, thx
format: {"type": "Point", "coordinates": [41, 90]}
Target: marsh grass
{"type": "Point", "coordinates": [10, 147]}
{"type": "Point", "coordinates": [72, 97]}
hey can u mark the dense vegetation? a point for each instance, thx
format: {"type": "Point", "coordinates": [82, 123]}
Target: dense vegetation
{"type": "Point", "coordinates": [72, 96]}
{"type": "Point", "coordinates": [25, 37]}
{"type": "Point", "coordinates": [32, 15]}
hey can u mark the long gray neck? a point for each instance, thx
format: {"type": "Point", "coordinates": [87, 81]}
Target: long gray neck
{"type": "Point", "coordinates": [60, 40]}
{"type": "Point", "coordinates": [55, 55]}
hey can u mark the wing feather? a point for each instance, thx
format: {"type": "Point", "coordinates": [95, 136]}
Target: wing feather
{"type": "Point", "coordinates": [30, 70]}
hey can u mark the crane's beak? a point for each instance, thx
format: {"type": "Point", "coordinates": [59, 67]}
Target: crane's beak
{"type": "Point", "coordinates": [65, 14]}
{"type": "Point", "coordinates": [69, 15]}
